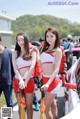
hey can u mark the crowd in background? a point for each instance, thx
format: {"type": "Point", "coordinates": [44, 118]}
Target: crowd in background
{"type": "Point", "coordinates": [8, 61]}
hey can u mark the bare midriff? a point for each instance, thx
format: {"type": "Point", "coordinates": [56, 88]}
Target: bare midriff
{"type": "Point", "coordinates": [22, 71]}
{"type": "Point", "coordinates": [48, 68]}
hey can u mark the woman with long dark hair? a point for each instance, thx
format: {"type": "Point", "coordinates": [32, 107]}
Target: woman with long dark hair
{"type": "Point", "coordinates": [24, 62]}
{"type": "Point", "coordinates": [50, 59]}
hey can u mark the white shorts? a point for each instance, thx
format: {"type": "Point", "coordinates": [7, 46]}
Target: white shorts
{"type": "Point", "coordinates": [55, 90]}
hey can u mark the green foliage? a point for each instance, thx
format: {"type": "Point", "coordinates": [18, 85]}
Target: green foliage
{"type": "Point", "coordinates": [35, 26]}
{"type": "Point", "coordinates": [2, 99]}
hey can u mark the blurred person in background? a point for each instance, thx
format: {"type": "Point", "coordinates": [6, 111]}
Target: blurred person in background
{"type": "Point", "coordinates": [41, 41]}
{"type": "Point", "coordinates": [6, 74]}
{"type": "Point", "coordinates": [68, 47]}
{"type": "Point", "coordinates": [24, 62]}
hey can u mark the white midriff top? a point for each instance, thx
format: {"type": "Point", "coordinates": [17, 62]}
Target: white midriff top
{"type": "Point", "coordinates": [47, 58]}
{"type": "Point", "coordinates": [21, 63]}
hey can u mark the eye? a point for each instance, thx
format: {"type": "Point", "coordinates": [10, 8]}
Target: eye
{"type": "Point", "coordinates": [52, 36]}
{"type": "Point", "coordinates": [47, 36]}
{"type": "Point", "coordinates": [18, 40]}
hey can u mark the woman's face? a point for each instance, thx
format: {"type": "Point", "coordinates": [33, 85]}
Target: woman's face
{"type": "Point", "coordinates": [50, 38]}
{"type": "Point", "coordinates": [20, 41]}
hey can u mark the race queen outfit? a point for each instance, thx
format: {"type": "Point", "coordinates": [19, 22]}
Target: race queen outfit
{"type": "Point", "coordinates": [49, 58]}
{"type": "Point", "coordinates": [21, 64]}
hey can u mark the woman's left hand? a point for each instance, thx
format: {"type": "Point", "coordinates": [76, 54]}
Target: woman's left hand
{"type": "Point", "coordinates": [36, 50]}
{"type": "Point", "coordinates": [24, 78]}
{"type": "Point", "coordinates": [21, 84]}
{"type": "Point", "coordinates": [45, 87]}
{"type": "Point", "coordinates": [25, 83]}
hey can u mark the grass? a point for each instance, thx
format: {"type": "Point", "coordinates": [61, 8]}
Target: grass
{"type": "Point", "coordinates": [2, 99]}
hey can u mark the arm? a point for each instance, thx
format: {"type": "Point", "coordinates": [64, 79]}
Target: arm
{"type": "Point", "coordinates": [35, 49]}
{"type": "Point", "coordinates": [38, 63]}
{"type": "Point", "coordinates": [12, 70]}
{"type": "Point", "coordinates": [27, 76]}
{"type": "Point", "coordinates": [21, 83]}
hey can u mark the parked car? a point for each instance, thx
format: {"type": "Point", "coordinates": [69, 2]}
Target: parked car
{"type": "Point", "coordinates": [72, 94]}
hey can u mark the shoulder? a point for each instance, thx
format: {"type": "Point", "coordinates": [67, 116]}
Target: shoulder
{"type": "Point", "coordinates": [58, 52]}
{"type": "Point", "coordinates": [62, 48]}
{"type": "Point", "coordinates": [42, 53]}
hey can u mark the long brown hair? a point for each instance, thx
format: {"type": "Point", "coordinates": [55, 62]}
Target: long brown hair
{"type": "Point", "coordinates": [57, 42]}
{"type": "Point", "coordinates": [26, 46]}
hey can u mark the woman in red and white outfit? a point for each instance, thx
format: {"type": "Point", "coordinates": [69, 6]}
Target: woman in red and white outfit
{"type": "Point", "coordinates": [50, 59]}
{"type": "Point", "coordinates": [24, 62]}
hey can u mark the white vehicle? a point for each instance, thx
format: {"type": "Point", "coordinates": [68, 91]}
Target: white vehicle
{"type": "Point", "coordinates": [72, 100]}
{"type": "Point", "coordinates": [72, 95]}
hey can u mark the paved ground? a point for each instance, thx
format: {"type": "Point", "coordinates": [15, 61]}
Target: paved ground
{"type": "Point", "coordinates": [60, 103]}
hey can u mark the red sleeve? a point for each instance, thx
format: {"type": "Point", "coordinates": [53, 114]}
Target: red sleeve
{"type": "Point", "coordinates": [63, 61]}
{"type": "Point", "coordinates": [37, 70]}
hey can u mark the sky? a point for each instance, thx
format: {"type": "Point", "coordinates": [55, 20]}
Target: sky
{"type": "Point", "coordinates": [68, 9]}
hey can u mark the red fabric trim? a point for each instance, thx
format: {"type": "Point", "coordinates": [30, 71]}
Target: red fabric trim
{"type": "Point", "coordinates": [37, 70]}
{"type": "Point", "coordinates": [47, 63]}
{"type": "Point", "coordinates": [24, 67]}
{"type": "Point", "coordinates": [54, 83]}
{"type": "Point", "coordinates": [28, 89]}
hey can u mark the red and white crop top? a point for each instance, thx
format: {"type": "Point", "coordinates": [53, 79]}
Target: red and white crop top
{"type": "Point", "coordinates": [23, 63]}
{"type": "Point", "coordinates": [47, 58]}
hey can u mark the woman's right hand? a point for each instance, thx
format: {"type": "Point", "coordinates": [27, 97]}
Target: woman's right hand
{"type": "Point", "coordinates": [45, 87]}
{"type": "Point", "coordinates": [36, 50]}
{"type": "Point", "coordinates": [21, 84]}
